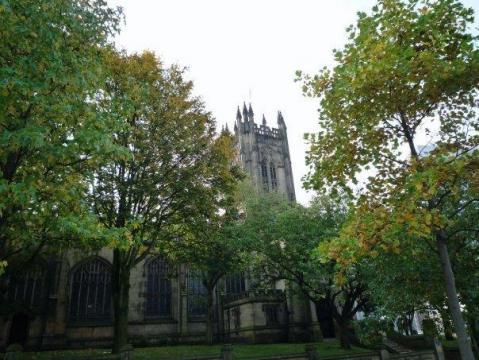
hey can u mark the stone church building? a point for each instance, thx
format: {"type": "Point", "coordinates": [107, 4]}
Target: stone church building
{"type": "Point", "coordinates": [66, 302]}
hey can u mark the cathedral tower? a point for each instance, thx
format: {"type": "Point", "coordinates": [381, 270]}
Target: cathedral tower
{"type": "Point", "coordinates": [264, 152]}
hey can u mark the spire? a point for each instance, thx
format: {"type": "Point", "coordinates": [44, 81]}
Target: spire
{"type": "Point", "coordinates": [264, 121]}
{"type": "Point", "coordinates": [281, 123]}
{"type": "Point", "coordinates": [238, 115]}
{"type": "Point", "coordinates": [251, 113]}
{"type": "Point", "coordinates": [245, 112]}
{"type": "Point", "coordinates": [225, 129]}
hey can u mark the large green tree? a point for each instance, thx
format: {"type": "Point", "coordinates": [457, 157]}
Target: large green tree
{"type": "Point", "coordinates": [208, 245]}
{"type": "Point", "coordinates": [51, 132]}
{"type": "Point", "coordinates": [170, 176]}
{"type": "Point", "coordinates": [284, 238]}
{"type": "Point", "coordinates": [407, 76]}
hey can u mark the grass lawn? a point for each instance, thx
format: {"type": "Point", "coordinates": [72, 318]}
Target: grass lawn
{"type": "Point", "coordinates": [449, 343]}
{"type": "Point", "coordinates": [325, 348]}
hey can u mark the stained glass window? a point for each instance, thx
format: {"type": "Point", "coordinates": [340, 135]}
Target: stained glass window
{"type": "Point", "coordinates": [90, 295]}
{"type": "Point", "coordinates": [197, 295]}
{"type": "Point", "coordinates": [264, 176]}
{"type": "Point", "coordinates": [271, 314]}
{"type": "Point", "coordinates": [274, 180]}
{"type": "Point", "coordinates": [235, 284]}
{"type": "Point", "coordinates": [27, 288]}
{"type": "Point", "coordinates": [158, 289]}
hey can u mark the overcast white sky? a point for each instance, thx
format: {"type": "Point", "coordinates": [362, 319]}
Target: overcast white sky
{"type": "Point", "coordinates": [248, 51]}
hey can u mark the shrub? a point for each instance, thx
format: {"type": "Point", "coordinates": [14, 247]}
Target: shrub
{"type": "Point", "coordinates": [370, 331]}
{"type": "Point", "coordinates": [429, 328]}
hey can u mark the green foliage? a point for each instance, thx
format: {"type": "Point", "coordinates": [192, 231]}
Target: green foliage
{"type": "Point", "coordinates": [405, 64]}
{"type": "Point", "coordinates": [15, 348]}
{"type": "Point", "coordinates": [209, 246]}
{"type": "Point", "coordinates": [171, 171]}
{"type": "Point", "coordinates": [51, 130]}
{"type": "Point", "coordinates": [212, 247]}
{"type": "Point", "coordinates": [400, 284]}
{"type": "Point", "coordinates": [371, 331]}
{"type": "Point", "coordinates": [174, 174]}
{"type": "Point", "coordinates": [429, 328]}
{"type": "Point", "coordinates": [410, 69]}
{"type": "Point", "coordinates": [284, 238]}
{"type": "Point", "coordinates": [409, 73]}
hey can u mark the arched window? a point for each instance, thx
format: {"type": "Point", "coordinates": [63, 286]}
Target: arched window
{"type": "Point", "coordinates": [274, 180]}
{"type": "Point", "coordinates": [235, 284]}
{"type": "Point", "coordinates": [264, 176]}
{"type": "Point", "coordinates": [27, 288]}
{"type": "Point", "coordinates": [271, 314]}
{"type": "Point", "coordinates": [197, 295]}
{"type": "Point", "coordinates": [158, 289]}
{"type": "Point", "coordinates": [90, 294]}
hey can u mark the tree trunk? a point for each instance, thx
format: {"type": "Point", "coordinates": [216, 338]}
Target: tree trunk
{"type": "Point", "coordinates": [473, 326]}
{"type": "Point", "coordinates": [476, 346]}
{"type": "Point", "coordinates": [209, 317]}
{"type": "Point", "coordinates": [453, 300]}
{"type": "Point", "coordinates": [409, 322]}
{"type": "Point", "coordinates": [343, 333]}
{"type": "Point", "coordinates": [121, 288]}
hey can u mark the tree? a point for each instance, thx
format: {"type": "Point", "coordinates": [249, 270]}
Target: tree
{"type": "Point", "coordinates": [51, 134]}
{"type": "Point", "coordinates": [464, 258]}
{"type": "Point", "coordinates": [209, 246]}
{"type": "Point", "coordinates": [285, 238]}
{"type": "Point", "coordinates": [170, 176]}
{"type": "Point", "coordinates": [408, 75]}
{"type": "Point", "coordinates": [411, 280]}
{"type": "Point", "coordinates": [399, 285]}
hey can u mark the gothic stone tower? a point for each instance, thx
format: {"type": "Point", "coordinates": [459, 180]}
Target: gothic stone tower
{"type": "Point", "coordinates": [264, 153]}
{"type": "Point", "coordinates": [264, 156]}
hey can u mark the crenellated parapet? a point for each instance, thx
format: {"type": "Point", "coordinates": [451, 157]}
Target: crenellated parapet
{"type": "Point", "coordinates": [245, 124]}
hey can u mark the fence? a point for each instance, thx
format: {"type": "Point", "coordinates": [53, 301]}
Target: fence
{"type": "Point", "coordinates": [310, 353]}
{"type": "Point", "coordinates": [15, 352]}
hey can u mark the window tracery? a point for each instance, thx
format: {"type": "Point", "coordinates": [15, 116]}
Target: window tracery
{"type": "Point", "coordinates": [90, 293]}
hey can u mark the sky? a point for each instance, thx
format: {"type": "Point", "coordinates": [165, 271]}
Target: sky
{"type": "Point", "coordinates": [248, 51]}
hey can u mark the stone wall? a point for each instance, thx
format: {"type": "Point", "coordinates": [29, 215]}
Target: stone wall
{"type": "Point", "coordinates": [55, 329]}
